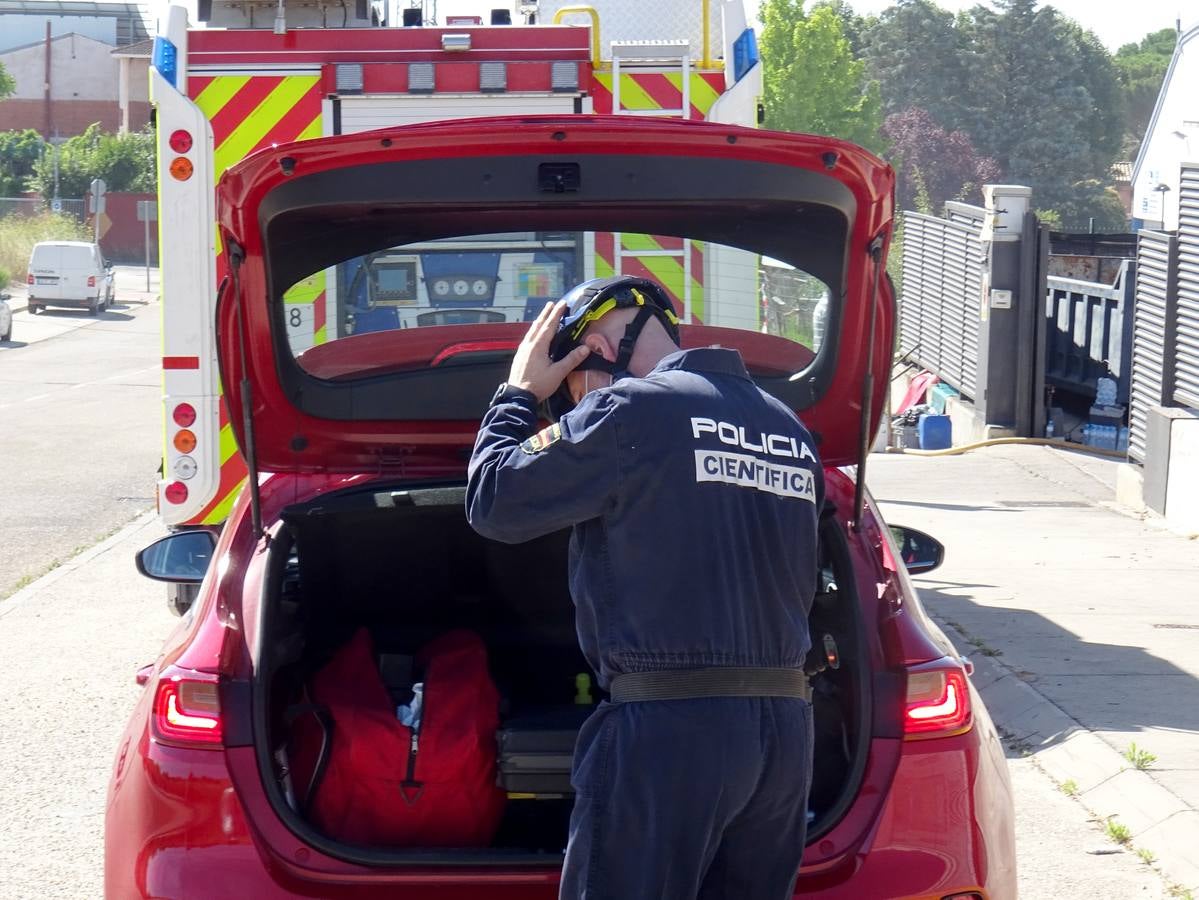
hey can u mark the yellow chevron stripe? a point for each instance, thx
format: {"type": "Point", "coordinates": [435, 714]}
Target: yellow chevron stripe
{"type": "Point", "coordinates": [219, 92]}
{"type": "Point", "coordinates": [258, 124]}
{"type": "Point", "coordinates": [632, 95]}
{"type": "Point", "coordinates": [220, 512]}
{"type": "Point", "coordinates": [703, 95]}
{"type": "Point", "coordinates": [603, 268]}
{"type": "Point", "coordinates": [312, 130]}
{"type": "Point", "coordinates": [321, 335]}
{"type": "Point", "coordinates": [306, 290]}
{"type": "Point", "coordinates": [667, 269]}
{"type": "Point", "coordinates": [228, 444]}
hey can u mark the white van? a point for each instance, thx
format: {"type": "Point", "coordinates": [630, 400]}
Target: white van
{"type": "Point", "coordinates": [69, 273]}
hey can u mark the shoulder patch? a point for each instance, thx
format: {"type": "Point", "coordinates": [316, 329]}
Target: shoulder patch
{"type": "Point", "coordinates": [542, 439]}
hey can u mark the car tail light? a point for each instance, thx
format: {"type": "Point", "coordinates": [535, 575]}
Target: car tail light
{"type": "Point", "coordinates": [185, 441]}
{"type": "Point", "coordinates": [180, 141]}
{"type": "Point", "coordinates": [937, 703]}
{"type": "Point", "coordinates": [175, 492]}
{"type": "Point", "coordinates": [91, 280]}
{"type": "Point", "coordinates": [969, 895]}
{"type": "Point", "coordinates": [184, 415]}
{"type": "Point", "coordinates": [187, 709]}
{"type": "Point", "coordinates": [29, 279]}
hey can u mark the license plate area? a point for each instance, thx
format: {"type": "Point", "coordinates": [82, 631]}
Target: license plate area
{"type": "Point", "coordinates": [47, 279]}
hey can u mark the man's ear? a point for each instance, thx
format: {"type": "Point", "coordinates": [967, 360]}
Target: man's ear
{"type": "Point", "coordinates": [600, 344]}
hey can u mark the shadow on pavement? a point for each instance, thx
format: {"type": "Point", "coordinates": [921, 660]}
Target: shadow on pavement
{"type": "Point", "coordinates": [1104, 686]}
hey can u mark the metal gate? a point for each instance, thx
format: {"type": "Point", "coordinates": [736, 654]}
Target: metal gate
{"type": "Point", "coordinates": [943, 265]}
{"type": "Point", "coordinates": [1153, 333]}
{"type": "Point", "coordinates": [1186, 343]}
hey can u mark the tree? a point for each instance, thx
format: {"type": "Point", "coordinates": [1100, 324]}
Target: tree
{"type": "Point", "coordinates": [1032, 106]}
{"type": "Point", "coordinates": [812, 81]}
{"type": "Point", "coordinates": [19, 153]}
{"type": "Point", "coordinates": [934, 165]}
{"type": "Point", "coordinates": [8, 85]}
{"type": "Point", "coordinates": [1141, 69]}
{"type": "Point", "coordinates": [915, 52]}
{"type": "Point", "coordinates": [125, 162]}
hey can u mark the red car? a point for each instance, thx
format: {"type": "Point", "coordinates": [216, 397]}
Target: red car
{"type": "Point", "coordinates": [430, 247]}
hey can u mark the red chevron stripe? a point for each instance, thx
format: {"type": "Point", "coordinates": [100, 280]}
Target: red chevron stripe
{"type": "Point", "coordinates": [318, 312]}
{"type": "Point", "coordinates": [295, 120]}
{"type": "Point", "coordinates": [660, 90]}
{"type": "Point", "coordinates": [196, 84]}
{"type": "Point", "coordinates": [601, 97]}
{"type": "Point", "coordinates": [241, 104]}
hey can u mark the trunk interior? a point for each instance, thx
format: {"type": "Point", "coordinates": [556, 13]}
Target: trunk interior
{"type": "Point", "coordinates": [406, 566]}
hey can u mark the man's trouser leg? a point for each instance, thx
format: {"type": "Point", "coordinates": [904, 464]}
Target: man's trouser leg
{"type": "Point", "coordinates": [661, 784]}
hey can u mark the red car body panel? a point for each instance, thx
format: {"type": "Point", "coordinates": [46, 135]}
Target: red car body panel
{"type": "Point", "coordinates": [932, 817]}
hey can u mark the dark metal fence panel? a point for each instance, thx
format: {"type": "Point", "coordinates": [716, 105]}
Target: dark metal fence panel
{"type": "Point", "coordinates": [1153, 333]}
{"type": "Point", "coordinates": [1186, 343]}
{"type": "Point", "coordinates": [942, 290]}
{"type": "Point", "coordinates": [1090, 332]}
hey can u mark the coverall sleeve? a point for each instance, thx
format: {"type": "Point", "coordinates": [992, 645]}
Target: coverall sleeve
{"type": "Point", "coordinates": [522, 485]}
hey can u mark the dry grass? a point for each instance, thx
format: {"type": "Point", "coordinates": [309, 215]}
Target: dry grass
{"type": "Point", "coordinates": [18, 234]}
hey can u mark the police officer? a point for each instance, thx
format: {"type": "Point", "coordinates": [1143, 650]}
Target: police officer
{"type": "Point", "coordinates": [694, 500]}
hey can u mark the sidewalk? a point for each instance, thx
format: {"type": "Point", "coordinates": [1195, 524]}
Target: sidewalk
{"type": "Point", "coordinates": [1081, 620]}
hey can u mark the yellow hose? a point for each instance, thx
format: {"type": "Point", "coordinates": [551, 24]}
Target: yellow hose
{"type": "Point", "coordinates": [995, 442]}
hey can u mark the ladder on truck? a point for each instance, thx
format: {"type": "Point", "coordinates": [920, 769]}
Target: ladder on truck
{"type": "Point", "coordinates": [668, 56]}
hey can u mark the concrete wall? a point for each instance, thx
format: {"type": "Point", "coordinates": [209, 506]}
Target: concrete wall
{"type": "Point", "coordinates": [1173, 138]}
{"type": "Point", "coordinates": [1182, 482]}
{"type": "Point", "coordinates": [84, 88]}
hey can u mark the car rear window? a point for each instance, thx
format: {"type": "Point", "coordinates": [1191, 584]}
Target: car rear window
{"type": "Point", "coordinates": [502, 278]}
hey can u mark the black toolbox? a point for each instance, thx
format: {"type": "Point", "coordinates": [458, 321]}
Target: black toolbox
{"type": "Point", "coordinates": [536, 749]}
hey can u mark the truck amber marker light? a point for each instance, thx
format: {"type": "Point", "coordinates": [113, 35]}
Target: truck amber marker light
{"type": "Point", "coordinates": [181, 168]}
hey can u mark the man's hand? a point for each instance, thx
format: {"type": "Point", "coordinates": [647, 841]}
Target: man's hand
{"type": "Point", "coordinates": [532, 369]}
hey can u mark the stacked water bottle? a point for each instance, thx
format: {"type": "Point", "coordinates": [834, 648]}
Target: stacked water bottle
{"type": "Point", "coordinates": [1105, 430]}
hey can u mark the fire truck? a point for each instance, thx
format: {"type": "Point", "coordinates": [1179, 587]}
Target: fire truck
{"type": "Point", "coordinates": [231, 78]}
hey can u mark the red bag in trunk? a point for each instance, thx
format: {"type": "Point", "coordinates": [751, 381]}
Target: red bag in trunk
{"type": "Point", "coordinates": [380, 785]}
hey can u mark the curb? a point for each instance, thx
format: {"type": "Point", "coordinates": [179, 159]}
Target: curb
{"type": "Point", "coordinates": [1107, 786]}
{"type": "Point", "coordinates": [30, 591]}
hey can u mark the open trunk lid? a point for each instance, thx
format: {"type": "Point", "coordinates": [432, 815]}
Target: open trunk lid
{"type": "Point", "coordinates": [408, 400]}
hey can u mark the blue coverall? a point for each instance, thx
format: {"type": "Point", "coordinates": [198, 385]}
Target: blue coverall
{"type": "Point", "coordinates": [694, 498]}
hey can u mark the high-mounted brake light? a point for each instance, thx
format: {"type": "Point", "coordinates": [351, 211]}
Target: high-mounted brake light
{"type": "Point", "coordinates": [175, 492]}
{"type": "Point", "coordinates": [937, 705]}
{"type": "Point", "coordinates": [184, 415]}
{"type": "Point", "coordinates": [187, 709]}
{"type": "Point", "coordinates": [185, 441]}
{"type": "Point", "coordinates": [181, 168]}
{"type": "Point", "coordinates": [180, 141]}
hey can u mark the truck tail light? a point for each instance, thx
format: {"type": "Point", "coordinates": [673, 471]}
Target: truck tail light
{"type": "Point", "coordinates": [187, 709]}
{"type": "Point", "coordinates": [175, 492]}
{"type": "Point", "coordinates": [180, 141]}
{"type": "Point", "coordinates": [184, 415]}
{"type": "Point", "coordinates": [937, 703]}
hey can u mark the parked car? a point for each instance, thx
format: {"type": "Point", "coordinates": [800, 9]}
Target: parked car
{"type": "Point", "coordinates": [69, 273]}
{"type": "Point", "coordinates": [361, 523]}
{"type": "Point", "coordinates": [5, 317]}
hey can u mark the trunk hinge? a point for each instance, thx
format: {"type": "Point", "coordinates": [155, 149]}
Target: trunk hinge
{"type": "Point", "coordinates": [237, 256]}
{"type": "Point", "coordinates": [875, 250]}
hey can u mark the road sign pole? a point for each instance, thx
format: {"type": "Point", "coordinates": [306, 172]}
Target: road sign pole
{"type": "Point", "coordinates": [147, 224]}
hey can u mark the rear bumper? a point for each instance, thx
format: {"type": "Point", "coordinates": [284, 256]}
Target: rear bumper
{"type": "Point", "coordinates": [72, 303]}
{"type": "Point", "coordinates": [174, 818]}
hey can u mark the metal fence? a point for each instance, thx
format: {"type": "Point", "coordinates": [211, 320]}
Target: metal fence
{"type": "Point", "coordinates": [1090, 332]}
{"type": "Point", "coordinates": [33, 206]}
{"type": "Point", "coordinates": [1186, 337]}
{"type": "Point", "coordinates": [943, 265]}
{"type": "Point", "coordinates": [1153, 334]}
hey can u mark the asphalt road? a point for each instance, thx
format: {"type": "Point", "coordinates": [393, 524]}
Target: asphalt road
{"type": "Point", "coordinates": [80, 427]}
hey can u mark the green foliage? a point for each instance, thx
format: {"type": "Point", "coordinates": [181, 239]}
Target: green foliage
{"type": "Point", "coordinates": [1092, 199]}
{"type": "Point", "coordinates": [813, 83]}
{"type": "Point", "coordinates": [1139, 756]}
{"type": "Point", "coordinates": [125, 162]}
{"type": "Point", "coordinates": [19, 152]}
{"type": "Point", "coordinates": [1070, 788]}
{"type": "Point", "coordinates": [1141, 69]}
{"type": "Point", "coordinates": [18, 234]}
{"type": "Point", "coordinates": [8, 84]}
{"type": "Point", "coordinates": [1117, 831]}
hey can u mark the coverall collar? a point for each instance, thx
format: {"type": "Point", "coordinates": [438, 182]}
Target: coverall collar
{"type": "Point", "coordinates": [716, 360]}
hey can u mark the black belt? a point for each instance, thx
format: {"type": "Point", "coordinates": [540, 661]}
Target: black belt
{"type": "Point", "coordinates": [719, 681]}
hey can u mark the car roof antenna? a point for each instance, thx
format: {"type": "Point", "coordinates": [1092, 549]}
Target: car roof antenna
{"type": "Point", "coordinates": [875, 249]}
{"type": "Point", "coordinates": [237, 256]}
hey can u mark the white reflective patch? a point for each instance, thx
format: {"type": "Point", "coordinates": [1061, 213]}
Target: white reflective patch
{"type": "Point", "coordinates": [748, 471]}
